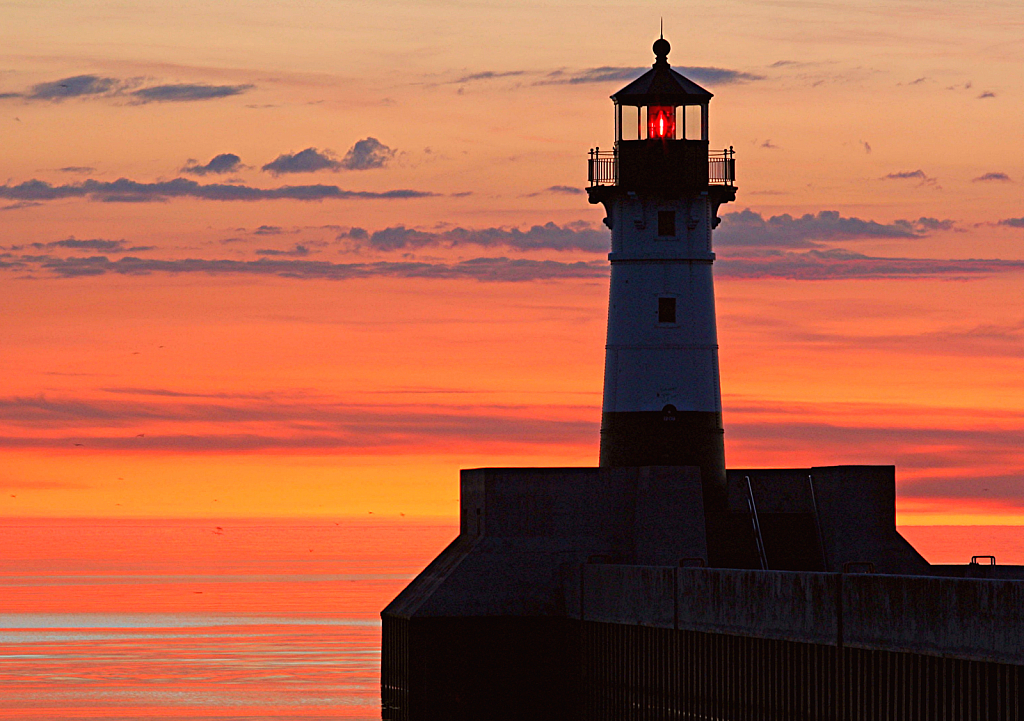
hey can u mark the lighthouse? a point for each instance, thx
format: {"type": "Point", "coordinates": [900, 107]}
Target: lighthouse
{"type": "Point", "coordinates": [624, 591]}
{"type": "Point", "coordinates": [661, 188]}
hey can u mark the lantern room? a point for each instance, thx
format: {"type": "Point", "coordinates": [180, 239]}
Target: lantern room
{"type": "Point", "coordinates": [661, 136]}
{"type": "Point", "coordinates": [661, 104]}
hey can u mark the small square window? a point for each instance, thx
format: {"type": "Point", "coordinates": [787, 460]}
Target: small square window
{"type": "Point", "coordinates": [666, 310]}
{"type": "Point", "coordinates": [666, 223]}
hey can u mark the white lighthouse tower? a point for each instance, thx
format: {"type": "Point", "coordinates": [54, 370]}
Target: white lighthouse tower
{"type": "Point", "coordinates": [661, 188]}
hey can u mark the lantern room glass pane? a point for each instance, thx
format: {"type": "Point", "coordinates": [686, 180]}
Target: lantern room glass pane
{"type": "Point", "coordinates": [630, 129]}
{"type": "Point", "coordinates": [661, 122]}
{"type": "Point", "coordinates": [692, 128]}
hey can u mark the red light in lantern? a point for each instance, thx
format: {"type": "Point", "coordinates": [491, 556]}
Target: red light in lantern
{"type": "Point", "coordinates": [661, 121]}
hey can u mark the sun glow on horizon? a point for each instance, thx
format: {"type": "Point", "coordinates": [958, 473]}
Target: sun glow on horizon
{"type": "Point", "coordinates": [263, 260]}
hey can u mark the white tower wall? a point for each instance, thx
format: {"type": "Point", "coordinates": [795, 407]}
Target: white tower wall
{"type": "Point", "coordinates": [650, 362]}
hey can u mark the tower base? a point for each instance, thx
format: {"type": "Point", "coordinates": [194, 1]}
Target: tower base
{"type": "Point", "coordinates": [669, 438]}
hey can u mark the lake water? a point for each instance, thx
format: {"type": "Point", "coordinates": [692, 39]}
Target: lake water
{"type": "Point", "coordinates": [233, 619]}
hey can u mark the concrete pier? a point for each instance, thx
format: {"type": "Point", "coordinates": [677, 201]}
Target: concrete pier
{"type": "Point", "coordinates": [583, 593]}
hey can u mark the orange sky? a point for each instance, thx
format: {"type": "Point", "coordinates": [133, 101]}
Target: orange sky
{"type": "Point", "coordinates": [262, 341]}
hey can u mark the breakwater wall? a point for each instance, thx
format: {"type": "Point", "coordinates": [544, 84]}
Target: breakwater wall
{"type": "Point", "coordinates": [691, 643]}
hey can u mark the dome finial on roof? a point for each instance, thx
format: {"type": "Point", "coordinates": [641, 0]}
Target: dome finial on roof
{"type": "Point", "coordinates": [661, 50]}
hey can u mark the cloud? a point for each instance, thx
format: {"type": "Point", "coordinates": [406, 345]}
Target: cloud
{"type": "Point", "coordinates": [268, 230]}
{"type": "Point", "coordinates": [488, 75]}
{"type": "Point", "coordinates": [1013, 222]}
{"type": "Point", "coordinates": [749, 229]}
{"type": "Point", "coordinates": [574, 236]}
{"type": "Point", "coordinates": [992, 177]}
{"type": "Point", "coordinates": [839, 264]}
{"type": "Point", "coordinates": [186, 92]}
{"type": "Point", "coordinates": [296, 251]}
{"type": "Point", "coordinates": [709, 75]}
{"type": "Point", "coordinates": [220, 164]}
{"type": "Point", "coordinates": [1003, 487]}
{"type": "Point", "coordinates": [272, 423]}
{"type": "Point", "coordinates": [355, 233]}
{"type": "Point", "coordinates": [95, 86]}
{"type": "Point", "coordinates": [591, 75]}
{"type": "Point", "coordinates": [73, 87]}
{"type": "Point", "coordinates": [867, 146]}
{"type": "Point", "coordinates": [956, 452]}
{"type": "Point", "coordinates": [986, 94]}
{"type": "Point", "coordinates": [488, 269]}
{"type": "Point", "coordinates": [921, 451]}
{"type": "Point", "coordinates": [770, 145]}
{"type": "Point", "coordinates": [924, 225]}
{"type": "Point", "coordinates": [565, 189]}
{"type": "Point", "coordinates": [816, 265]}
{"type": "Point", "coordinates": [912, 175]}
{"type": "Point", "coordinates": [77, 169]}
{"type": "Point", "coordinates": [309, 160]}
{"type": "Point", "coordinates": [367, 154]}
{"type": "Point", "coordinates": [95, 244]}
{"type": "Point", "coordinates": [130, 191]}
{"type": "Point", "coordinates": [990, 340]}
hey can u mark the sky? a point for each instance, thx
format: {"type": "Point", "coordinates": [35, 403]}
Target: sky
{"type": "Point", "coordinates": [312, 258]}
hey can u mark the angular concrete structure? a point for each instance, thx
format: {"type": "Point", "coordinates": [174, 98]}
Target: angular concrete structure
{"type": "Point", "coordinates": [661, 585]}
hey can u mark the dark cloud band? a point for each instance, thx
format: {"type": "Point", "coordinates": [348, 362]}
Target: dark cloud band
{"type": "Point", "coordinates": [815, 265]}
{"type": "Point", "coordinates": [95, 86]}
{"type": "Point", "coordinates": [749, 229]}
{"type": "Point", "coordinates": [839, 264]}
{"type": "Point", "coordinates": [549, 236]}
{"type": "Point", "coordinates": [186, 93]}
{"type": "Point", "coordinates": [325, 426]}
{"type": "Point", "coordinates": [480, 269]}
{"type": "Point", "coordinates": [130, 191]}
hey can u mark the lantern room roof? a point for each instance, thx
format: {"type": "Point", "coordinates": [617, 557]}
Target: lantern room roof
{"type": "Point", "coordinates": [661, 85]}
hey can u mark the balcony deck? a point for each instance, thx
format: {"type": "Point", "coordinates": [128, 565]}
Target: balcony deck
{"type": "Point", "coordinates": [631, 163]}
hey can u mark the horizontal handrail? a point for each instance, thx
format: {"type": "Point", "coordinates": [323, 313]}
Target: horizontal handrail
{"type": "Point", "coordinates": [603, 167]}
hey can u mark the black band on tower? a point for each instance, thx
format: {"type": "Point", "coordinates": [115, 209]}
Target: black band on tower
{"type": "Point", "coordinates": [668, 438]}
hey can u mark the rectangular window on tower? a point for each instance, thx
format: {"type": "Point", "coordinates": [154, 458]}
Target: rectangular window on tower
{"type": "Point", "coordinates": [666, 310]}
{"type": "Point", "coordinates": [666, 223]}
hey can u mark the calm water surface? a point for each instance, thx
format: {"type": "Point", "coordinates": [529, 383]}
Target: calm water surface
{"type": "Point", "coordinates": [248, 620]}
{"type": "Point", "coordinates": [185, 620]}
